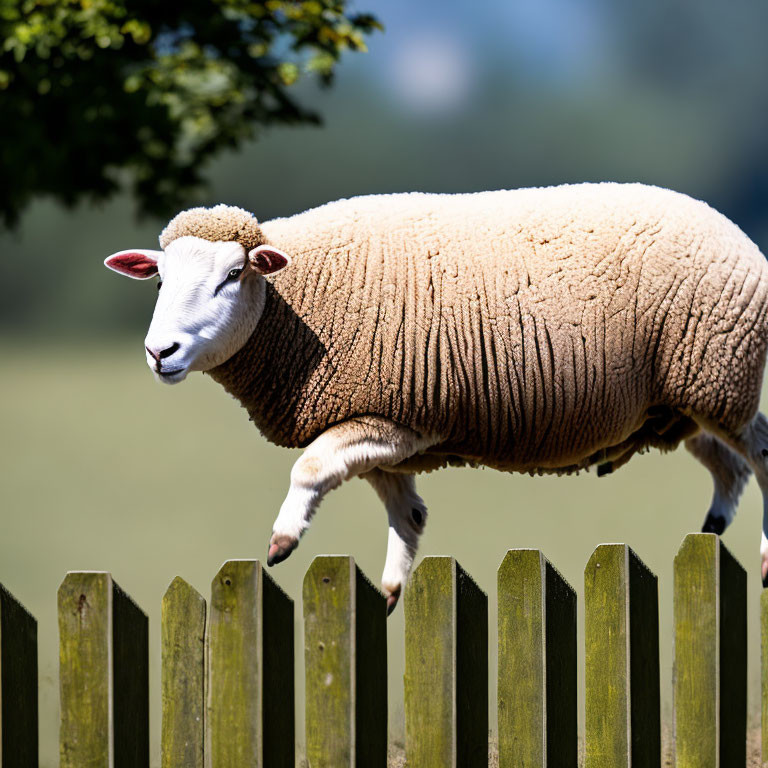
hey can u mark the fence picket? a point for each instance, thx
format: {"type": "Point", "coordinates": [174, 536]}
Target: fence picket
{"type": "Point", "coordinates": [250, 716]}
{"type": "Point", "coordinates": [537, 664]}
{"type": "Point", "coordinates": [446, 668]}
{"type": "Point", "coordinates": [710, 655]}
{"type": "Point", "coordinates": [345, 649]}
{"type": "Point", "coordinates": [623, 722]}
{"type": "Point", "coordinates": [103, 675]}
{"type": "Point", "coordinates": [18, 684]}
{"type": "Point", "coordinates": [183, 676]}
{"type": "Point", "coordinates": [764, 673]}
{"type": "Point", "coordinates": [227, 674]}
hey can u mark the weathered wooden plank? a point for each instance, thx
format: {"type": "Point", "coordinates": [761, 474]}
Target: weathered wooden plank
{"type": "Point", "coordinates": [345, 651]}
{"type": "Point", "coordinates": [18, 684]}
{"type": "Point", "coordinates": [710, 655]}
{"type": "Point", "coordinates": [85, 670]}
{"type": "Point", "coordinates": [623, 723]}
{"type": "Point", "coordinates": [250, 716]}
{"type": "Point", "coordinates": [183, 676]}
{"type": "Point", "coordinates": [103, 675]}
{"type": "Point", "coordinates": [537, 703]}
{"type": "Point", "coordinates": [446, 667]}
{"type": "Point", "coordinates": [697, 651]}
{"type": "Point", "coordinates": [764, 671]}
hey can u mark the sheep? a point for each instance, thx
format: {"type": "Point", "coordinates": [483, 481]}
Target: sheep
{"type": "Point", "coordinates": [534, 330]}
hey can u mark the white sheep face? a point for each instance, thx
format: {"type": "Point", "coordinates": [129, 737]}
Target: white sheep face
{"type": "Point", "coordinates": [211, 296]}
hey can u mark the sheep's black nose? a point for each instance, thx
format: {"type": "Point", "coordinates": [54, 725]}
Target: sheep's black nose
{"type": "Point", "coordinates": [161, 353]}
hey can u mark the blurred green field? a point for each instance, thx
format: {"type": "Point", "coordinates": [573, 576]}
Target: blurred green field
{"type": "Point", "coordinates": [102, 468]}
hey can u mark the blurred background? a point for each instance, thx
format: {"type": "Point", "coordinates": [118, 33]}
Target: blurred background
{"type": "Point", "coordinates": [102, 468]}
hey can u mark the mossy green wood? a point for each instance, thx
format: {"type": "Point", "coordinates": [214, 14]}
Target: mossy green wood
{"type": "Point", "coordinates": [607, 658]}
{"type": "Point", "coordinates": [85, 670]}
{"type": "Point", "coordinates": [697, 652]}
{"type": "Point", "coordinates": [430, 668]}
{"type": "Point", "coordinates": [623, 725]}
{"type": "Point", "coordinates": [446, 668]}
{"type": "Point", "coordinates": [251, 688]}
{"type": "Point", "coordinates": [329, 657]}
{"type": "Point", "coordinates": [18, 684]}
{"type": "Point", "coordinates": [183, 676]}
{"type": "Point", "coordinates": [764, 671]}
{"type": "Point", "coordinates": [103, 675]}
{"type": "Point", "coordinates": [710, 655]}
{"type": "Point", "coordinates": [537, 664]}
{"type": "Point", "coordinates": [345, 666]}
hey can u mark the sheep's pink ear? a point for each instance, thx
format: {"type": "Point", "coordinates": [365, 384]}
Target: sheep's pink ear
{"type": "Point", "coordinates": [266, 260]}
{"type": "Point", "coordinates": [137, 264]}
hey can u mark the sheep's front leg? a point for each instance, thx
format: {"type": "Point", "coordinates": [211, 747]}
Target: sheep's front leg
{"type": "Point", "coordinates": [407, 518]}
{"type": "Point", "coordinates": [341, 452]}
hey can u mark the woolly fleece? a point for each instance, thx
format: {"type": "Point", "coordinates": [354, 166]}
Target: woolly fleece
{"type": "Point", "coordinates": [220, 223]}
{"type": "Point", "coordinates": [533, 330]}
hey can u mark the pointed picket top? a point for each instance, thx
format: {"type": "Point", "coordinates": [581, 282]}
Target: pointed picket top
{"type": "Point", "coordinates": [446, 667]}
{"type": "Point", "coordinates": [250, 646]}
{"type": "Point", "coordinates": [103, 673]}
{"type": "Point", "coordinates": [537, 664]}
{"type": "Point", "coordinates": [345, 653]}
{"type": "Point", "coordinates": [183, 612]}
{"type": "Point", "coordinates": [623, 720]}
{"type": "Point", "coordinates": [710, 654]}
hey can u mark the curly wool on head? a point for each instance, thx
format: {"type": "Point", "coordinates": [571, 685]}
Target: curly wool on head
{"type": "Point", "coordinates": [220, 223]}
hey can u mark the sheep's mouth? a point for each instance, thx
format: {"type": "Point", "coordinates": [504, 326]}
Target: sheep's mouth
{"type": "Point", "coordinates": [170, 374]}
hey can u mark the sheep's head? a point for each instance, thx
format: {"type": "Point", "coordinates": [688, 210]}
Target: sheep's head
{"type": "Point", "coordinates": [211, 288]}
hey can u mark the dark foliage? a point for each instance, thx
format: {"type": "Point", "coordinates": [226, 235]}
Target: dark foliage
{"type": "Point", "coordinates": [97, 95]}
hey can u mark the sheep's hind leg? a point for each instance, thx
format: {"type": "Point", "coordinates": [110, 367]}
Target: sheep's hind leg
{"type": "Point", "coordinates": [344, 451]}
{"type": "Point", "coordinates": [730, 474]}
{"type": "Point", "coordinates": [752, 443]}
{"type": "Point", "coordinates": [407, 518]}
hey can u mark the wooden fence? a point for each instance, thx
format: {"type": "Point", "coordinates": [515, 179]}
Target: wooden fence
{"type": "Point", "coordinates": [228, 667]}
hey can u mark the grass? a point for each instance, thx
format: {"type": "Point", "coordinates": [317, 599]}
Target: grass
{"type": "Point", "coordinates": [102, 468]}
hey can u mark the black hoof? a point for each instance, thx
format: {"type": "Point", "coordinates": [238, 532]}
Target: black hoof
{"type": "Point", "coordinates": [604, 469]}
{"type": "Point", "coordinates": [765, 582]}
{"type": "Point", "coordinates": [278, 557]}
{"type": "Point", "coordinates": [280, 550]}
{"type": "Point", "coordinates": [713, 525]}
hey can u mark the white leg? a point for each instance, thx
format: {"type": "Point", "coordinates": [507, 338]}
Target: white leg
{"type": "Point", "coordinates": [341, 452]}
{"type": "Point", "coordinates": [407, 518]}
{"type": "Point", "coordinates": [752, 444]}
{"type": "Point", "coordinates": [730, 474]}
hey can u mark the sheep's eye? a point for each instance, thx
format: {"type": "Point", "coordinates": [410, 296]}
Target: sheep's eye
{"type": "Point", "coordinates": [232, 275]}
{"type": "Point", "coordinates": [159, 284]}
